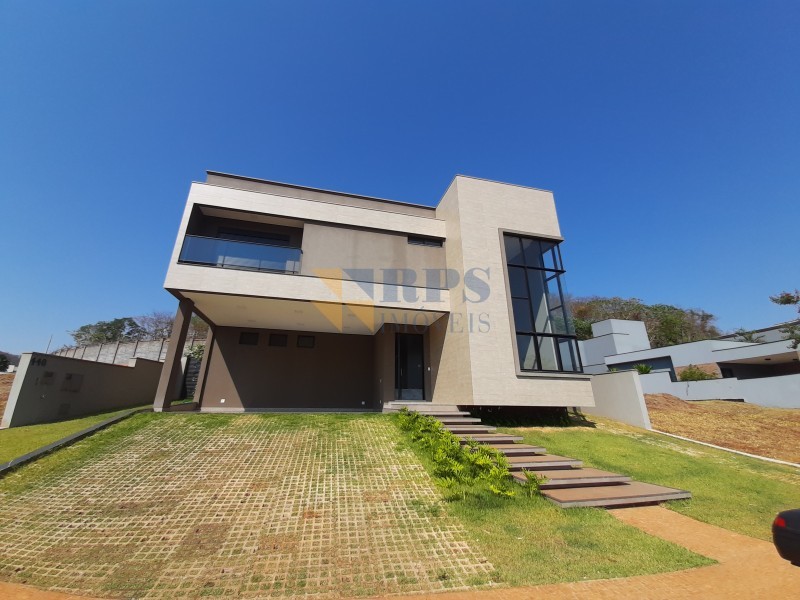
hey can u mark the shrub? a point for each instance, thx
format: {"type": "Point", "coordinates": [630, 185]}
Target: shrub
{"type": "Point", "coordinates": [196, 352]}
{"type": "Point", "coordinates": [643, 369]}
{"type": "Point", "coordinates": [694, 373]}
{"type": "Point", "coordinates": [471, 468]}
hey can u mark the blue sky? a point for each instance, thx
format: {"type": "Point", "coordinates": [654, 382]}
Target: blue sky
{"type": "Point", "coordinates": [669, 132]}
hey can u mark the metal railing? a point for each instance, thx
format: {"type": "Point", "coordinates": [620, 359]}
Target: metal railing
{"type": "Point", "coordinates": [232, 254]}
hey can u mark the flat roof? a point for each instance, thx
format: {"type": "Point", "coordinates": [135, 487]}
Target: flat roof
{"type": "Point", "coordinates": [315, 189]}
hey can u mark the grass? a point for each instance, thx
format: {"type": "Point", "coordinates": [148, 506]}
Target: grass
{"type": "Point", "coordinates": [771, 432]}
{"type": "Point", "coordinates": [188, 505]}
{"type": "Point", "coordinates": [531, 541]}
{"type": "Point", "coordinates": [731, 491]}
{"type": "Point", "coordinates": [17, 441]}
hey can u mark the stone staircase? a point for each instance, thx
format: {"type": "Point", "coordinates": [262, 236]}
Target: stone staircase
{"type": "Point", "coordinates": [568, 483]}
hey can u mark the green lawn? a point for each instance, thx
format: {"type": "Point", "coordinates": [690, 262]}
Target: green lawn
{"type": "Point", "coordinates": [531, 541]}
{"type": "Point", "coordinates": [731, 491]}
{"type": "Point", "coordinates": [17, 441]}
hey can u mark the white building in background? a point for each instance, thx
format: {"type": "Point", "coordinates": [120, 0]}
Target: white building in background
{"type": "Point", "coordinates": [765, 373]}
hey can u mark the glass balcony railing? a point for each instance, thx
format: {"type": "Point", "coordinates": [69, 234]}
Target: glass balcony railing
{"type": "Point", "coordinates": [231, 254]}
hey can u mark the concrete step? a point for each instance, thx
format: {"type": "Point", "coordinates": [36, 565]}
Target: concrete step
{"type": "Point", "coordinates": [569, 478]}
{"type": "Point", "coordinates": [634, 493]}
{"type": "Point", "coordinates": [465, 429]}
{"type": "Point", "coordinates": [542, 461]}
{"type": "Point", "coordinates": [421, 406]}
{"type": "Point", "coordinates": [458, 420]}
{"type": "Point", "coordinates": [519, 449]}
{"type": "Point", "coordinates": [436, 413]}
{"type": "Point", "coordinates": [490, 438]}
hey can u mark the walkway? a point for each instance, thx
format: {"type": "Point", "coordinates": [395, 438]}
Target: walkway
{"type": "Point", "coordinates": [748, 568]}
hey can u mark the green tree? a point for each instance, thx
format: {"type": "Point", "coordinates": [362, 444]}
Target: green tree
{"type": "Point", "coordinates": [742, 335]}
{"type": "Point", "coordinates": [123, 329]}
{"type": "Point", "coordinates": [666, 324]}
{"type": "Point", "coordinates": [792, 330]}
{"type": "Point", "coordinates": [3, 363]}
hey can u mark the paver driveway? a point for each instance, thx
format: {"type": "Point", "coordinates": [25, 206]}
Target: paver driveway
{"type": "Point", "coordinates": [248, 505]}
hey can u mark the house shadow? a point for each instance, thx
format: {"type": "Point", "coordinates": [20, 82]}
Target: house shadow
{"type": "Point", "coordinates": [534, 416]}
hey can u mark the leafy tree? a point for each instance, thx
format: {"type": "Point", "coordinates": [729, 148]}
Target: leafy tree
{"type": "Point", "coordinates": [3, 363]}
{"type": "Point", "coordinates": [197, 327]}
{"type": "Point", "coordinates": [583, 329]}
{"type": "Point", "coordinates": [791, 331]}
{"type": "Point", "coordinates": [666, 324]}
{"type": "Point", "coordinates": [123, 329]}
{"type": "Point", "coordinates": [742, 335]}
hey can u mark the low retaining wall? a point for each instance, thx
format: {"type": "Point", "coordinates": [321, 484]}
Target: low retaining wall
{"type": "Point", "coordinates": [119, 353]}
{"type": "Point", "coordinates": [619, 396]}
{"type": "Point", "coordinates": [777, 392]}
{"type": "Point", "coordinates": [53, 388]}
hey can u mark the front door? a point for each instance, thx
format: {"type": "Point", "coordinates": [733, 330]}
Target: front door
{"type": "Point", "coordinates": [409, 367]}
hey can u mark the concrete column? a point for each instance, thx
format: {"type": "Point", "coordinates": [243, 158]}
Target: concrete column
{"type": "Point", "coordinates": [201, 376]}
{"type": "Point", "coordinates": [171, 373]}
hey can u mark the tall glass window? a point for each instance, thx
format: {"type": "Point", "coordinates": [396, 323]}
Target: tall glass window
{"type": "Point", "coordinates": [545, 335]}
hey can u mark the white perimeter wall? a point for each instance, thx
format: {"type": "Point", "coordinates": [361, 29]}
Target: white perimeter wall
{"type": "Point", "coordinates": [619, 396]}
{"type": "Point", "coordinates": [778, 392]}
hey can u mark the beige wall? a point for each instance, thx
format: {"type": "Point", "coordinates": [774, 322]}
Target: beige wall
{"type": "Point", "coordinates": [52, 388]}
{"type": "Point", "coordinates": [476, 212]}
{"type": "Point", "coordinates": [331, 197]}
{"type": "Point", "coordinates": [336, 373]}
{"type": "Point", "coordinates": [326, 247]}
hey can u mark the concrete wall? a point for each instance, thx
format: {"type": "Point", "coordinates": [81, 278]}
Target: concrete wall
{"type": "Point", "coordinates": [336, 373]}
{"type": "Point", "coordinates": [52, 388]}
{"type": "Point", "coordinates": [778, 392]}
{"type": "Point", "coordinates": [619, 396]}
{"type": "Point", "coordinates": [367, 255]}
{"type": "Point", "coordinates": [121, 353]}
{"type": "Point", "coordinates": [610, 337]}
{"type": "Point", "coordinates": [480, 331]}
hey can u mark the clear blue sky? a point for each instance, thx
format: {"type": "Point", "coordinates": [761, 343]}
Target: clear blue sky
{"type": "Point", "coordinates": [669, 132]}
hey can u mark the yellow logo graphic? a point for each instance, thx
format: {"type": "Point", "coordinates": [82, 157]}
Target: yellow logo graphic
{"type": "Point", "coordinates": [336, 312]}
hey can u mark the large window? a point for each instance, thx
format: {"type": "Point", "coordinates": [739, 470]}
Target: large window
{"type": "Point", "coordinates": [545, 335]}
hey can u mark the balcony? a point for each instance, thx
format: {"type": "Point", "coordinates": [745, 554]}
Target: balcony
{"type": "Point", "coordinates": [246, 256]}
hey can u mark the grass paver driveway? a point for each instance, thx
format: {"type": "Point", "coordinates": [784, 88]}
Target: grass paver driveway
{"type": "Point", "coordinates": [171, 506]}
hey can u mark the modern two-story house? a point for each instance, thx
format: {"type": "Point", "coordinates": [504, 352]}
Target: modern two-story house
{"type": "Point", "coordinates": [321, 300]}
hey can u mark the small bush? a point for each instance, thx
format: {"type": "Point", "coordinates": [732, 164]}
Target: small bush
{"type": "Point", "coordinates": [461, 470]}
{"type": "Point", "coordinates": [196, 352]}
{"type": "Point", "coordinates": [694, 373]}
{"type": "Point", "coordinates": [643, 369]}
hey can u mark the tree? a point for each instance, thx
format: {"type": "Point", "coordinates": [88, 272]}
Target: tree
{"type": "Point", "coordinates": [666, 324]}
{"type": "Point", "coordinates": [198, 328]}
{"type": "Point", "coordinates": [156, 326]}
{"type": "Point", "coordinates": [792, 330]}
{"type": "Point", "coordinates": [742, 335]}
{"type": "Point", "coordinates": [124, 329]}
{"type": "Point", "coordinates": [3, 363]}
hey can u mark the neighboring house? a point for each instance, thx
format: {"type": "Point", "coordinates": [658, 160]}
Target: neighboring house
{"type": "Point", "coordinates": [768, 334]}
{"type": "Point", "coordinates": [325, 300]}
{"type": "Point", "coordinates": [763, 373]}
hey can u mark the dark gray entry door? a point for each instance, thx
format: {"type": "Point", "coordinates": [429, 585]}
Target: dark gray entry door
{"type": "Point", "coordinates": [409, 367]}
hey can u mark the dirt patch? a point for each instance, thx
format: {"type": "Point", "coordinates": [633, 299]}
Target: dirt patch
{"type": "Point", "coordinates": [202, 540]}
{"type": "Point", "coordinates": [771, 432]}
{"type": "Point", "coordinates": [6, 379]}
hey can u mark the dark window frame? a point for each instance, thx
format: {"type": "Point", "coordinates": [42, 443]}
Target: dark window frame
{"type": "Point", "coordinates": [519, 260]}
{"type": "Point", "coordinates": [417, 240]}
{"type": "Point", "coordinates": [250, 336]}
{"type": "Point", "coordinates": [312, 338]}
{"type": "Point", "coordinates": [278, 340]}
